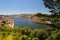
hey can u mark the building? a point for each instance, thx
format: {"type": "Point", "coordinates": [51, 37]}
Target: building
{"type": "Point", "coordinates": [7, 21]}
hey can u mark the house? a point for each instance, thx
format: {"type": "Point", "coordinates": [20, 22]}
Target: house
{"type": "Point", "coordinates": [7, 21]}
{"type": "Point", "coordinates": [10, 22]}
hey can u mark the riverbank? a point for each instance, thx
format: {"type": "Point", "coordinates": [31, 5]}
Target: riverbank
{"type": "Point", "coordinates": [39, 20]}
{"type": "Point", "coordinates": [55, 23]}
{"type": "Point", "coordinates": [22, 22]}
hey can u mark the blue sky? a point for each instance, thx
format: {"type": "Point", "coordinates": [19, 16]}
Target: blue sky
{"type": "Point", "coordinates": [22, 6]}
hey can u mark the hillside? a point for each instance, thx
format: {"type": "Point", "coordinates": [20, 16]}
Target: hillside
{"type": "Point", "coordinates": [18, 33]}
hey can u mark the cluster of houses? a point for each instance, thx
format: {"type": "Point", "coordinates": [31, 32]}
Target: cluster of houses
{"type": "Point", "coordinates": [6, 21]}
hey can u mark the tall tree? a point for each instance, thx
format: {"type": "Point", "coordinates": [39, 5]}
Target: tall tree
{"type": "Point", "coordinates": [53, 6]}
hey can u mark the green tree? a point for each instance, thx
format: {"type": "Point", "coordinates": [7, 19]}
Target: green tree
{"type": "Point", "coordinates": [38, 14]}
{"type": "Point", "coordinates": [53, 6]}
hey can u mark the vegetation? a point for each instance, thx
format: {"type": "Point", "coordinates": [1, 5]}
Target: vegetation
{"type": "Point", "coordinates": [46, 17]}
{"type": "Point", "coordinates": [54, 19]}
{"type": "Point", "coordinates": [53, 6]}
{"type": "Point", "coordinates": [42, 15]}
{"type": "Point", "coordinates": [18, 33]}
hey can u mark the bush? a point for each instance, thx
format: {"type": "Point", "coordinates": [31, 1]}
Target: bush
{"type": "Point", "coordinates": [17, 33]}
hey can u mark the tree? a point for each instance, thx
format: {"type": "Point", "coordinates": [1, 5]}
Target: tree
{"type": "Point", "coordinates": [53, 6]}
{"type": "Point", "coordinates": [38, 14]}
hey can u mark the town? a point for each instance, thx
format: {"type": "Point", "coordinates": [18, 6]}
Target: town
{"type": "Point", "coordinates": [6, 21]}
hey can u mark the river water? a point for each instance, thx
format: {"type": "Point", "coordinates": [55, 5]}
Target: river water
{"type": "Point", "coordinates": [24, 22]}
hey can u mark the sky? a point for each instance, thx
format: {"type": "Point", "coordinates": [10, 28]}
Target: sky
{"type": "Point", "coordinates": [8, 7]}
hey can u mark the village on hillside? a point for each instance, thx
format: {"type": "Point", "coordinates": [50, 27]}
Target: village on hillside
{"type": "Point", "coordinates": [6, 21]}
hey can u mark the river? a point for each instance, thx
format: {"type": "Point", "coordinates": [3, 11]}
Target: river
{"type": "Point", "coordinates": [24, 22]}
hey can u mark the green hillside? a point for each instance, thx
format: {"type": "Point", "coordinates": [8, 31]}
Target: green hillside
{"type": "Point", "coordinates": [26, 33]}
